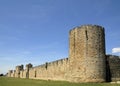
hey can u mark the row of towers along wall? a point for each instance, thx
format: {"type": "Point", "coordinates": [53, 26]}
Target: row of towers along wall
{"type": "Point", "coordinates": [86, 61]}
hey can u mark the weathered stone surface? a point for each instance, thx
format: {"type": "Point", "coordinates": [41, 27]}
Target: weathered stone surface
{"type": "Point", "coordinates": [113, 68]}
{"type": "Point", "coordinates": [87, 54]}
{"type": "Point", "coordinates": [50, 71]}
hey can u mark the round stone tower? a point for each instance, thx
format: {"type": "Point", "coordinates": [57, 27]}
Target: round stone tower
{"type": "Point", "coordinates": [87, 54]}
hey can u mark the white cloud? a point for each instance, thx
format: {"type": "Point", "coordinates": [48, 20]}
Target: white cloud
{"type": "Point", "coordinates": [116, 50]}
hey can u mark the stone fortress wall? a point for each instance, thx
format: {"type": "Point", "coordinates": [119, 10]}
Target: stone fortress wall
{"type": "Point", "coordinates": [87, 60]}
{"type": "Point", "coordinates": [56, 70]}
{"type": "Point", "coordinates": [113, 68]}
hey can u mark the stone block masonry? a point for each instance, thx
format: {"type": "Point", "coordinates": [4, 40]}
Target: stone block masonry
{"type": "Point", "coordinates": [87, 60]}
{"type": "Point", "coordinates": [50, 71]}
{"type": "Point", "coordinates": [87, 54]}
{"type": "Point", "coordinates": [113, 68]}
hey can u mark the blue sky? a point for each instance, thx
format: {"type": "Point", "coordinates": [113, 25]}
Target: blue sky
{"type": "Point", "coordinates": [37, 31]}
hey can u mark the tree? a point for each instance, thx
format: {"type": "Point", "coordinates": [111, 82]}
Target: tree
{"type": "Point", "coordinates": [1, 74]}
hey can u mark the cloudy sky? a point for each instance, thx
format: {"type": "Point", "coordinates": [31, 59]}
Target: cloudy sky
{"type": "Point", "coordinates": [36, 31]}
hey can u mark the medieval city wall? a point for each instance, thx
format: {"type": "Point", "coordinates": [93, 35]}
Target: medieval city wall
{"type": "Point", "coordinates": [113, 67]}
{"type": "Point", "coordinates": [50, 71]}
{"type": "Point", "coordinates": [23, 73]}
{"type": "Point", "coordinates": [10, 73]}
{"type": "Point", "coordinates": [87, 60]}
{"type": "Point", "coordinates": [56, 70]}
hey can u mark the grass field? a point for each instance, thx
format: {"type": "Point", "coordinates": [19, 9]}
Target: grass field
{"type": "Point", "coordinates": [4, 81]}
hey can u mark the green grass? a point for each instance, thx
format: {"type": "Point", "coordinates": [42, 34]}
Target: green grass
{"type": "Point", "coordinates": [5, 81]}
